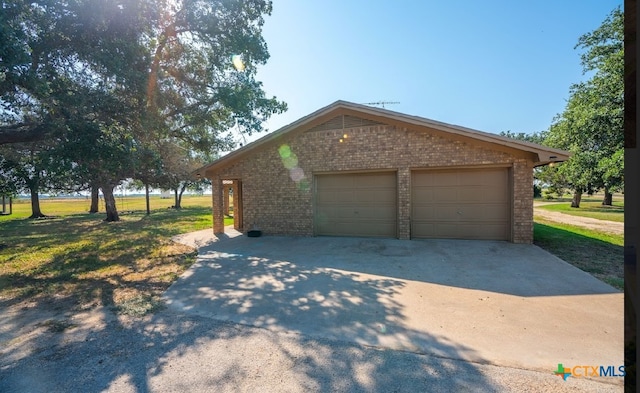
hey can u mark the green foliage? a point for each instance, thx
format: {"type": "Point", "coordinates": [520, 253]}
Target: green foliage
{"type": "Point", "coordinates": [591, 126]}
{"type": "Point", "coordinates": [611, 169]}
{"type": "Point", "coordinates": [109, 83]}
{"type": "Point", "coordinates": [537, 191]}
{"type": "Point", "coordinates": [555, 180]}
{"type": "Point", "coordinates": [535, 137]}
{"type": "Point", "coordinates": [32, 168]}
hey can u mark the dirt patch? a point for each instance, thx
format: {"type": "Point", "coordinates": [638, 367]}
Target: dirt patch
{"type": "Point", "coordinates": [613, 227]}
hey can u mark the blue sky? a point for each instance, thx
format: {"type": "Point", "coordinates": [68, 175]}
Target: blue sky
{"type": "Point", "coordinates": [489, 65]}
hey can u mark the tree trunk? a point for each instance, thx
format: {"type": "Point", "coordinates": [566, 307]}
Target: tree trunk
{"type": "Point", "coordinates": [184, 187]}
{"type": "Point", "coordinates": [146, 193]}
{"type": "Point", "coordinates": [577, 196]}
{"type": "Point", "coordinates": [176, 199]}
{"type": "Point", "coordinates": [608, 198]}
{"type": "Point", "coordinates": [35, 200]}
{"type": "Point", "coordinates": [95, 201]}
{"type": "Point", "coordinates": [110, 203]}
{"type": "Point", "coordinates": [4, 205]}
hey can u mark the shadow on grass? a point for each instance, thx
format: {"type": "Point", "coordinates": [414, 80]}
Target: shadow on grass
{"type": "Point", "coordinates": [602, 259]}
{"type": "Point", "coordinates": [59, 255]}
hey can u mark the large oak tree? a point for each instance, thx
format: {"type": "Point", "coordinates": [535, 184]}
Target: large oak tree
{"type": "Point", "coordinates": [591, 126]}
{"type": "Point", "coordinates": [106, 79]}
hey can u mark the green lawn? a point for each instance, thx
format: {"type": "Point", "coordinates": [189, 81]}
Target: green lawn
{"type": "Point", "coordinates": [78, 257]}
{"type": "Point", "coordinates": [598, 197]}
{"type": "Point", "coordinates": [590, 209]}
{"type": "Point", "coordinates": [64, 207]}
{"type": "Point", "coordinates": [597, 253]}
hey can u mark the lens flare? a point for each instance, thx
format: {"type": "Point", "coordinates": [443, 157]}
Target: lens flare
{"type": "Point", "coordinates": [284, 151]}
{"type": "Point", "coordinates": [290, 162]}
{"type": "Point", "coordinates": [303, 185]}
{"type": "Point", "coordinates": [297, 174]}
{"type": "Point", "coordinates": [237, 62]}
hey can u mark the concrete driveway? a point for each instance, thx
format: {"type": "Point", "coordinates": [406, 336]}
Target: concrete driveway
{"type": "Point", "coordinates": [483, 301]}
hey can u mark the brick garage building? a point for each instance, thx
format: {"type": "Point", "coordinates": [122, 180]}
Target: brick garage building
{"type": "Point", "coordinates": [354, 170]}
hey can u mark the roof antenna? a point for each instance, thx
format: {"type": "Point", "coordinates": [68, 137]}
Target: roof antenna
{"type": "Point", "coordinates": [383, 103]}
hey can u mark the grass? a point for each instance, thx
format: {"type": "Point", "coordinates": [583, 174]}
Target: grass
{"type": "Point", "coordinates": [567, 197]}
{"type": "Point", "coordinates": [78, 257]}
{"type": "Point", "coordinates": [590, 209]}
{"type": "Point", "coordinates": [64, 207]}
{"type": "Point", "coordinates": [600, 254]}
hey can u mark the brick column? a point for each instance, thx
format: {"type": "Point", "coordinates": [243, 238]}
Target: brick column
{"type": "Point", "coordinates": [404, 204]}
{"type": "Point", "coordinates": [225, 194]}
{"type": "Point", "coordinates": [218, 213]}
{"type": "Point", "coordinates": [522, 202]}
{"type": "Point", "coordinates": [237, 206]}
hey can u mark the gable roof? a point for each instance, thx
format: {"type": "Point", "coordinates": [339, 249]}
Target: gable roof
{"type": "Point", "coordinates": [545, 155]}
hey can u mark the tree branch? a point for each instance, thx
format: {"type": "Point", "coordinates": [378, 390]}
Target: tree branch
{"type": "Point", "coordinates": [24, 132]}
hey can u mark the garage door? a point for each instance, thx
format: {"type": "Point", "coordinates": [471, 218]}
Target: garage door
{"type": "Point", "coordinates": [362, 204]}
{"type": "Point", "coordinates": [461, 204]}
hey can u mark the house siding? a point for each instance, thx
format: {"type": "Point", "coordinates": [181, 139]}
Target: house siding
{"type": "Point", "coordinates": [278, 181]}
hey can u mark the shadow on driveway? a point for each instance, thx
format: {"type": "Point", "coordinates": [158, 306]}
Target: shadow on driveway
{"type": "Point", "coordinates": [314, 300]}
{"type": "Point", "coordinates": [483, 301]}
{"type": "Point", "coordinates": [172, 352]}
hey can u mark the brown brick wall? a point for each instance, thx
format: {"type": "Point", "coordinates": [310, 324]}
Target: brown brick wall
{"type": "Point", "coordinates": [218, 214]}
{"type": "Point", "coordinates": [278, 181]}
{"type": "Point", "coordinates": [522, 202]}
